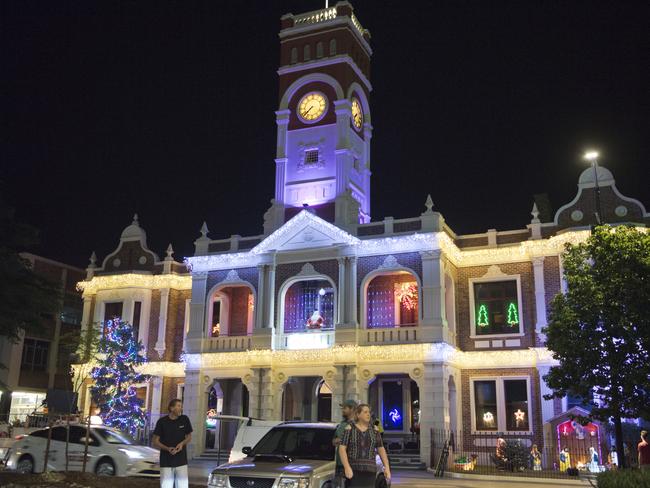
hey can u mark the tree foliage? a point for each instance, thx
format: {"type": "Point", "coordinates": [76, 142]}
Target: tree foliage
{"type": "Point", "coordinates": [599, 331]}
{"type": "Point", "coordinates": [116, 374]}
{"type": "Point", "coordinates": [25, 297]}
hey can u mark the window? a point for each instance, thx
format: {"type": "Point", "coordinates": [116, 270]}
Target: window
{"type": "Point", "coordinates": [319, 49]}
{"type": "Point", "coordinates": [496, 307]}
{"type": "Point", "coordinates": [392, 406]}
{"type": "Point", "coordinates": [294, 55]}
{"type": "Point", "coordinates": [485, 405]}
{"type": "Point", "coordinates": [333, 47]}
{"type": "Point", "coordinates": [501, 404]}
{"type": "Point", "coordinates": [306, 53]}
{"type": "Point", "coordinates": [516, 401]}
{"type": "Point", "coordinates": [111, 310]}
{"type": "Point", "coordinates": [137, 312]}
{"type": "Point", "coordinates": [311, 156]}
{"type": "Point", "coordinates": [35, 354]}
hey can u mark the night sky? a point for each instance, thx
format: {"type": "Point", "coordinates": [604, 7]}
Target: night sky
{"type": "Point", "coordinates": [167, 109]}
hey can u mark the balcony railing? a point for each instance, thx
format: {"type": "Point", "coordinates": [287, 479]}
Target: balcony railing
{"type": "Point", "coordinates": [227, 344]}
{"type": "Point", "coordinates": [397, 335]}
{"type": "Point", "coordinates": [316, 16]}
{"type": "Point", "coordinates": [317, 339]}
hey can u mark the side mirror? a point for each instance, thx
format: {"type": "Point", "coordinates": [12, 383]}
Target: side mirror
{"type": "Point", "coordinates": [247, 450]}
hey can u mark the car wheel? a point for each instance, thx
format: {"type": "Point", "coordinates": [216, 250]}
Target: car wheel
{"type": "Point", "coordinates": [380, 481]}
{"type": "Point", "coordinates": [25, 465]}
{"type": "Point", "coordinates": [105, 467]}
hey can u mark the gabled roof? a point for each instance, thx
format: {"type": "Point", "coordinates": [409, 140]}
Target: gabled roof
{"type": "Point", "coordinates": [305, 230]}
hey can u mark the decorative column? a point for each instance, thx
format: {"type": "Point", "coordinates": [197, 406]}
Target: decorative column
{"type": "Point", "coordinates": [342, 302]}
{"type": "Point", "coordinates": [434, 404]}
{"type": "Point", "coordinates": [263, 331]}
{"type": "Point", "coordinates": [433, 321]}
{"type": "Point", "coordinates": [156, 400]}
{"type": "Point", "coordinates": [547, 405]}
{"type": "Point", "coordinates": [338, 384]}
{"type": "Point", "coordinates": [540, 299]}
{"type": "Point", "coordinates": [353, 291]}
{"type": "Point", "coordinates": [282, 121]}
{"type": "Point", "coordinates": [197, 312]}
{"type": "Point", "coordinates": [192, 407]}
{"type": "Point", "coordinates": [162, 322]}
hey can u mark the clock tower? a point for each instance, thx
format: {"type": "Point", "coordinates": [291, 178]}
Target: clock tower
{"type": "Point", "coordinates": [323, 118]}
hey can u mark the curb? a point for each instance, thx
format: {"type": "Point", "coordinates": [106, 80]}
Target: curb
{"type": "Point", "coordinates": [515, 479]}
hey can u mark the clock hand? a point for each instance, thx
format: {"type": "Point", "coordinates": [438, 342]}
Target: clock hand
{"type": "Point", "coordinates": [309, 110]}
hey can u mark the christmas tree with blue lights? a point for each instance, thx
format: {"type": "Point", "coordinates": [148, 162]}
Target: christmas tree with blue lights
{"type": "Point", "coordinates": [115, 375]}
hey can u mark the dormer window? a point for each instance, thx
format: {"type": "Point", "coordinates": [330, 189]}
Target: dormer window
{"type": "Point", "coordinates": [311, 156]}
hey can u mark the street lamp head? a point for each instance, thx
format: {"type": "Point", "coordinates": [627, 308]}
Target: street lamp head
{"type": "Point", "coordinates": [591, 155]}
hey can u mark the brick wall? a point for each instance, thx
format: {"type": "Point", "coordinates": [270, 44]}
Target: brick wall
{"type": "Point", "coordinates": [552, 284]}
{"type": "Point", "coordinates": [238, 320]}
{"type": "Point", "coordinates": [169, 392]}
{"type": "Point", "coordinates": [527, 308]}
{"type": "Point", "coordinates": [175, 330]}
{"type": "Point", "coordinates": [535, 406]}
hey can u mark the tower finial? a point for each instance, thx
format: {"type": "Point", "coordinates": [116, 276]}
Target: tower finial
{"type": "Point", "coordinates": [429, 204]}
{"type": "Point", "coordinates": [93, 260]}
{"type": "Point", "coordinates": [204, 229]}
{"type": "Point", "coordinates": [135, 219]}
{"type": "Point", "coordinates": [169, 252]}
{"type": "Point", "coordinates": [535, 213]}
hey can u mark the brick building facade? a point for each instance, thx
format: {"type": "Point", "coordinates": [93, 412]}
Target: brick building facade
{"type": "Point", "coordinates": [436, 330]}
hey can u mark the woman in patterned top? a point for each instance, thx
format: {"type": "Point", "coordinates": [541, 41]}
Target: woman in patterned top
{"type": "Point", "coordinates": [359, 445]}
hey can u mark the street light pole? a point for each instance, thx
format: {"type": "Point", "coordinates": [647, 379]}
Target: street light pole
{"type": "Point", "coordinates": [592, 157]}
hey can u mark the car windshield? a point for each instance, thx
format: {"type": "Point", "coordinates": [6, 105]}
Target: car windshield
{"type": "Point", "coordinates": [297, 443]}
{"type": "Point", "coordinates": [115, 437]}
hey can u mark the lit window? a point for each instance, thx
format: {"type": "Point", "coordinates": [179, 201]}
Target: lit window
{"type": "Point", "coordinates": [392, 301]}
{"type": "Point", "coordinates": [485, 405]}
{"type": "Point", "coordinates": [500, 404]}
{"type": "Point", "coordinates": [311, 156]}
{"type": "Point", "coordinates": [516, 400]}
{"type": "Point", "coordinates": [496, 308]}
{"type": "Point", "coordinates": [309, 305]}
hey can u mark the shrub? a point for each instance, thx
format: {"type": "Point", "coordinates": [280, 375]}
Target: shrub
{"type": "Point", "coordinates": [624, 478]}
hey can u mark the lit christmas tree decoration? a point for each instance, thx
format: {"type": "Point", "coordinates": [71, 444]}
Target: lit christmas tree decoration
{"type": "Point", "coordinates": [113, 391]}
{"type": "Point", "coordinates": [482, 320]}
{"type": "Point", "coordinates": [513, 317]}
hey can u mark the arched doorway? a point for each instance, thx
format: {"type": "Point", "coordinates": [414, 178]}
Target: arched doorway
{"type": "Point", "coordinates": [306, 398]}
{"type": "Point", "coordinates": [391, 299]}
{"type": "Point", "coordinates": [230, 311]}
{"type": "Point", "coordinates": [324, 402]}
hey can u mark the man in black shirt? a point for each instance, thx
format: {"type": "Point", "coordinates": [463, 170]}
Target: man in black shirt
{"type": "Point", "coordinates": [172, 433]}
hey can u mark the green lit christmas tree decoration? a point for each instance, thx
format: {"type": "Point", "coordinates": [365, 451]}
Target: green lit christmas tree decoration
{"type": "Point", "coordinates": [482, 316]}
{"type": "Point", "coordinates": [513, 317]}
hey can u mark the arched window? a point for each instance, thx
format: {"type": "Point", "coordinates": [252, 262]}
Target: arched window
{"type": "Point", "coordinates": [309, 305]}
{"type": "Point", "coordinates": [392, 300]}
{"type": "Point", "coordinates": [306, 53]}
{"type": "Point", "coordinates": [294, 55]}
{"type": "Point", "coordinates": [319, 49]}
{"type": "Point", "coordinates": [333, 47]}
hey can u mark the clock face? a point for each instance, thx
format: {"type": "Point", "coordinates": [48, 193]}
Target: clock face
{"type": "Point", "coordinates": [312, 106]}
{"type": "Point", "coordinates": [357, 114]}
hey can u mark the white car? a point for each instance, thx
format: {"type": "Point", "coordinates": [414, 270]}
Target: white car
{"type": "Point", "coordinates": [110, 452]}
{"type": "Point", "coordinates": [249, 432]}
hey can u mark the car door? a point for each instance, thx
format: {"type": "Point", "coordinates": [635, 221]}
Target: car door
{"type": "Point", "coordinates": [56, 455]}
{"type": "Point", "coordinates": [77, 448]}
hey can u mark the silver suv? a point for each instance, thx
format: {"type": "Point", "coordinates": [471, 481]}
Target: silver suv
{"type": "Point", "coordinates": [290, 455]}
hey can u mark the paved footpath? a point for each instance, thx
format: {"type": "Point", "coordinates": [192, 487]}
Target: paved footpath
{"type": "Point", "coordinates": [199, 470]}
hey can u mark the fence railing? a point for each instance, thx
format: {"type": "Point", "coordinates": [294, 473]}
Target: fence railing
{"type": "Point", "coordinates": [510, 454]}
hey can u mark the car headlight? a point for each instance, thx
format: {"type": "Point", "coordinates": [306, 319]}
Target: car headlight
{"type": "Point", "coordinates": [218, 480]}
{"type": "Point", "coordinates": [294, 483]}
{"type": "Point", "coordinates": [132, 453]}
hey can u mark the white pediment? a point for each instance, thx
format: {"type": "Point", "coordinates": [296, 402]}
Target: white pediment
{"type": "Point", "coordinates": [305, 231]}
